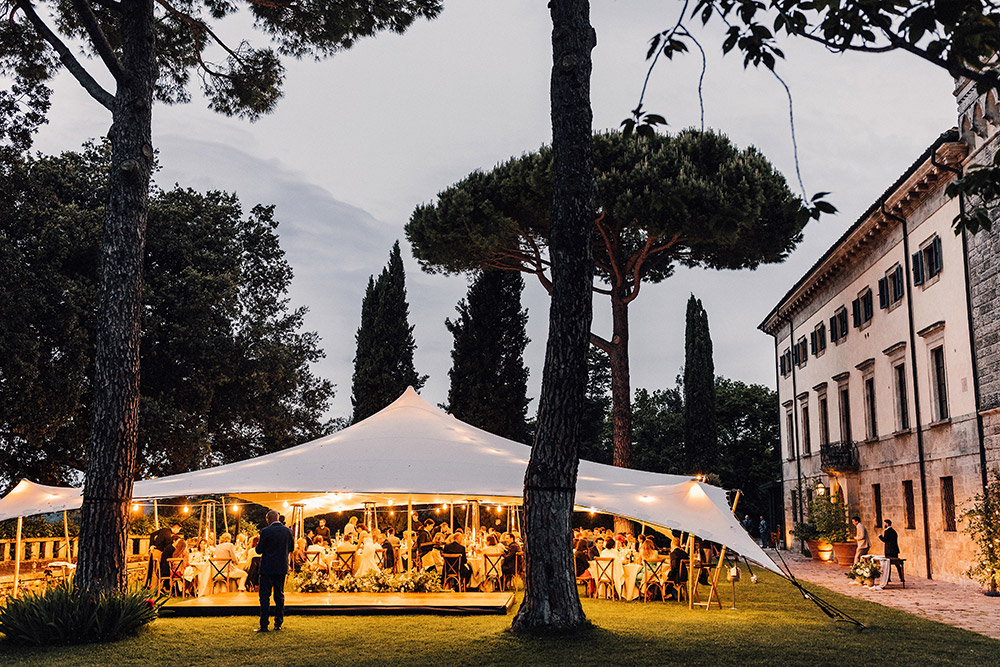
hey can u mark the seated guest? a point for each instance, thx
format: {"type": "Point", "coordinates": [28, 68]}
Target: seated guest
{"type": "Point", "coordinates": [391, 545]}
{"type": "Point", "coordinates": [609, 550]}
{"type": "Point", "coordinates": [317, 548]}
{"type": "Point", "coordinates": [678, 562]}
{"type": "Point", "coordinates": [509, 565]}
{"type": "Point", "coordinates": [432, 560]}
{"type": "Point", "coordinates": [493, 547]}
{"type": "Point", "coordinates": [648, 550]}
{"type": "Point", "coordinates": [347, 544]}
{"type": "Point", "coordinates": [225, 549]}
{"type": "Point", "coordinates": [299, 555]}
{"type": "Point", "coordinates": [456, 546]}
{"type": "Point", "coordinates": [597, 548]}
{"type": "Point", "coordinates": [581, 558]}
{"type": "Point", "coordinates": [424, 542]}
{"type": "Point", "coordinates": [351, 527]}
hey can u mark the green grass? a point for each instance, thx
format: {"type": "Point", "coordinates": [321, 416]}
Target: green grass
{"type": "Point", "coordinates": [773, 626]}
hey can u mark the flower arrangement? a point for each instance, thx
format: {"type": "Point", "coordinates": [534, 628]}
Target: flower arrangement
{"type": "Point", "coordinates": [373, 582]}
{"type": "Point", "coordinates": [983, 525]}
{"type": "Point", "coordinates": [864, 569]}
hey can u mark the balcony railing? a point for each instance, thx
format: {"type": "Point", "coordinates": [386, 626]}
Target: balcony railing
{"type": "Point", "coordinates": [839, 457]}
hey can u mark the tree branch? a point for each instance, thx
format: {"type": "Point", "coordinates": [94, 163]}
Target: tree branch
{"type": "Point", "coordinates": [94, 89]}
{"type": "Point", "coordinates": [99, 39]}
{"type": "Point", "coordinates": [110, 5]}
{"type": "Point", "coordinates": [601, 343]}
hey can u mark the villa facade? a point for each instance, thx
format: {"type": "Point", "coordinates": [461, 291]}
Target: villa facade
{"type": "Point", "coordinates": [888, 356]}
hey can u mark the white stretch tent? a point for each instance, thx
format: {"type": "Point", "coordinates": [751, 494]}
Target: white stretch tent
{"type": "Point", "coordinates": [413, 452]}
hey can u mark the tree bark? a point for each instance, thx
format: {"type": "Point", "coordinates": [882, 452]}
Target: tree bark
{"type": "Point", "coordinates": [111, 457]}
{"type": "Point", "coordinates": [621, 393]}
{"type": "Point", "coordinates": [551, 601]}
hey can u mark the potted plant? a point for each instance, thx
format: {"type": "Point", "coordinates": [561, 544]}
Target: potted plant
{"type": "Point", "coordinates": [983, 525]}
{"type": "Point", "coordinates": [820, 550]}
{"type": "Point", "coordinates": [829, 515]}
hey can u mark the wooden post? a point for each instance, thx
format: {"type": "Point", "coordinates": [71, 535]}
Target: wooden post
{"type": "Point", "coordinates": [225, 515]}
{"type": "Point", "coordinates": [17, 558]}
{"type": "Point", "coordinates": [156, 515]}
{"type": "Point", "coordinates": [718, 568]}
{"type": "Point", "coordinates": [69, 551]}
{"type": "Point", "coordinates": [409, 533]}
{"type": "Point", "coordinates": [451, 512]}
{"type": "Point", "coordinates": [692, 575]}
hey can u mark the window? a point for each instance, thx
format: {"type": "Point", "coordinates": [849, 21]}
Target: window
{"type": "Point", "coordinates": [845, 412]}
{"type": "Point", "coordinates": [862, 308]}
{"type": "Point", "coordinates": [890, 288]}
{"type": "Point", "coordinates": [927, 262]}
{"type": "Point", "coordinates": [790, 431]}
{"type": "Point", "coordinates": [902, 401]}
{"type": "Point", "coordinates": [817, 340]}
{"type": "Point", "coordinates": [870, 418]}
{"type": "Point", "coordinates": [806, 439]}
{"type": "Point", "coordinates": [824, 420]}
{"type": "Point", "coordinates": [877, 502]}
{"type": "Point", "coordinates": [948, 503]}
{"type": "Point", "coordinates": [939, 384]}
{"type": "Point", "coordinates": [908, 506]}
{"type": "Point", "coordinates": [785, 362]}
{"type": "Point", "coordinates": [838, 325]}
{"type": "Point", "coordinates": [800, 353]}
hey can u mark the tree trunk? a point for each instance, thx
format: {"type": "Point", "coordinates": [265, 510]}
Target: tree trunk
{"type": "Point", "coordinates": [111, 457]}
{"type": "Point", "coordinates": [621, 395]}
{"type": "Point", "coordinates": [551, 601]}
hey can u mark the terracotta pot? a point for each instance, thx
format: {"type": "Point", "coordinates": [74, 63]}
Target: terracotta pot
{"type": "Point", "coordinates": [844, 553]}
{"type": "Point", "coordinates": [869, 582]}
{"type": "Point", "coordinates": [820, 550]}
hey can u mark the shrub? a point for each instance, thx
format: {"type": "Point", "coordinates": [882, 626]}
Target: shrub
{"type": "Point", "coordinates": [983, 525]}
{"type": "Point", "coordinates": [829, 515]}
{"type": "Point", "coordinates": [64, 614]}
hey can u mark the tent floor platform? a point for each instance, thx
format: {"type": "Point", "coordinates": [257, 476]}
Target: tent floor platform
{"type": "Point", "coordinates": [299, 604]}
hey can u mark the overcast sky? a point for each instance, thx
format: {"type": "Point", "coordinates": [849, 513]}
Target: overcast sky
{"type": "Point", "coordinates": [360, 139]}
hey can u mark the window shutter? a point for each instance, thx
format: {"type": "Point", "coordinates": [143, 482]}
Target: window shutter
{"type": "Point", "coordinates": [781, 364]}
{"type": "Point", "coordinates": [795, 355]}
{"type": "Point", "coordinates": [883, 292]}
{"type": "Point", "coordinates": [812, 343]}
{"type": "Point", "coordinates": [856, 312]}
{"type": "Point", "coordinates": [821, 337]}
{"type": "Point", "coordinates": [918, 268]}
{"type": "Point", "coordinates": [936, 255]}
{"type": "Point", "coordinates": [834, 329]}
{"type": "Point", "coordinates": [897, 279]}
{"type": "Point", "coordinates": [867, 306]}
{"type": "Point", "coordinates": [843, 323]}
{"type": "Point", "coordinates": [804, 352]}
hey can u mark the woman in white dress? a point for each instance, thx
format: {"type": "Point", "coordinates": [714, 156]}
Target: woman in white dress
{"type": "Point", "coordinates": [367, 561]}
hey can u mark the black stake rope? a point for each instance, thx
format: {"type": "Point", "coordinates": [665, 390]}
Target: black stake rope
{"type": "Point", "coordinates": [827, 608]}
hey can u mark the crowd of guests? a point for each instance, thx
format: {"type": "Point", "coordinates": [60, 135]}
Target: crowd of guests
{"type": "Point", "coordinates": [168, 543]}
{"type": "Point", "coordinates": [589, 545]}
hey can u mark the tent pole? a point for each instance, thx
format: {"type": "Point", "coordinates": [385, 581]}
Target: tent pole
{"type": "Point", "coordinates": [69, 553]}
{"type": "Point", "coordinates": [156, 515]}
{"type": "Point", "coordinates": [17, 558]}
{"type": "Point", "coordinates": [718, 568]}
{"type": "Point", "coordinates": [225, 516]}
{"type": "Point", "coordinates": [692, 575]}
{"type": "Point", "coordinates": [451, 511]}
{"type": "Point", "coordinates": [409, 533]}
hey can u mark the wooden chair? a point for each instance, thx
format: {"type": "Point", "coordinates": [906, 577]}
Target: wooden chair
{"type": "Point", "coordinates": [518, 570]}
{"type": "Point", "coordinates": [493, 564]}
{"type": "Point", "coordinates": [453, 572]}
{"type": "Point", "coordinates": [253, 575]}
{"type": "Point", "coordinates": [606, 576]}
{"type": "Point", "coordinates": [176, 579]}
{"type": "Point", "coordinates": [344, 563]}
{"type": "Point", "coordinates": [220, 573]}
{"type": "Point", "coordinates": [652, 576]}
{"type": "Point", "coordinates": [380, 557]}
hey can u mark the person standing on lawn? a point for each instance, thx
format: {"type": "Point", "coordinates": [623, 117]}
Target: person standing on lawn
{"type": "Point", "coordinates": [861, 537]}
{"type": "Point", "coordinates": [276, 542]}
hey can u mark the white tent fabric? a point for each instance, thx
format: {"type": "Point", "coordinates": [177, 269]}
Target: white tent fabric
{"type": "Point", "coordinates": [413, 452]}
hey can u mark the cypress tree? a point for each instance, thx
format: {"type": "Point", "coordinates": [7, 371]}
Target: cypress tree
{"type": "Point", "coordinates": [383, 363]}
{"type": "Point", "coordinates": [489, 381]}
{"type": "Point", "coordinates": [700, 430]}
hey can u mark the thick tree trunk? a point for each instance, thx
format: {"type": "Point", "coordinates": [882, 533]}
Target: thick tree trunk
{"type": "Point", "coordinates": [111, 457]}
{"type": "Point", "coordinates": [621, 395]}
{"type": "Point", "coordinates": [550, 599]}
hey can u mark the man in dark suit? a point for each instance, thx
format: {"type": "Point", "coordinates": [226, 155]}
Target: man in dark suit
{"type": "Point", "coordinates": [891, 540]}
{"type": "Point", "coordinates": [423, 541]}
{"type": "Point", "coordinates": [509, 564]}
{"type": "Point", "coordinates": [323, 531]}
{"type": "Point", "coordinates": [275, 543]}
{"type": "Point", "coordinates": [163, 541]}
{"type": "Point", "coordinates": [456, 547]}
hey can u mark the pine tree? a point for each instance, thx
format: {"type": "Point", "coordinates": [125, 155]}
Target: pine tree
{"type": "Point", "coordinates": [489, 381]}
{"type": "Point", "coordinates": [700, 430]}
{"type": "Point", "coordinates": [383, 363]}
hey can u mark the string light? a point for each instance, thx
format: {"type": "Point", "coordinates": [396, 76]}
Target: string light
{"type": "Point", "coordinates": [186, 509]}
{"type": "Point", "coordinates": [135, 508]}
{"type": "Point", "coordinates": [236, 508]}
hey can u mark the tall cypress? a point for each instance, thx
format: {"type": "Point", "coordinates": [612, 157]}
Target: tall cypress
{"type": "Point", "coordinates": [489, 381]}
{"type": "Point", "coordinates": [700, 430]}
{"type": "Point", "coordinates": [383, 363]}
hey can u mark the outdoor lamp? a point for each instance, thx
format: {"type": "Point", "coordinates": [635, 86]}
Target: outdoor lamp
{"type": "Point", "coordinates": [820, 489]}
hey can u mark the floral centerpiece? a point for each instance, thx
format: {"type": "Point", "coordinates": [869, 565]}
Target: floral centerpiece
{"type": "Point", "coordinates": [373, 582]}
{"type": "Point", "coordinates": [864, 570]}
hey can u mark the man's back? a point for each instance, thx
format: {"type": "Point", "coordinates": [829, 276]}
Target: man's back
{"type": "Point", "coordinates": [275, 544]}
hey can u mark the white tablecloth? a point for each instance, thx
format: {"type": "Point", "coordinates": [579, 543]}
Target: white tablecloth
{"type": "Point", "coordinates": [623, 576]}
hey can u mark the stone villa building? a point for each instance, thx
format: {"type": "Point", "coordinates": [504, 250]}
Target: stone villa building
{"type": "Point", "coordinates": [888, 355]}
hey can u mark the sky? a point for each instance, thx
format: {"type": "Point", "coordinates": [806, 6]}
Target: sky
{"type": "Point", "coordinates": [360, 139]}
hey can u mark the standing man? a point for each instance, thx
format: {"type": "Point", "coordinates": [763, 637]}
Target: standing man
{"type": "Point", "coordinates": [275, 544]}
{"type": "Point", "coordinates": [765, 537]}
{"type": "Point", "coordinates": [323, 531]}
{"type": "Point", "coordinates": [861, 537]}
{"type": "Point", "coordinates": [891, 540]}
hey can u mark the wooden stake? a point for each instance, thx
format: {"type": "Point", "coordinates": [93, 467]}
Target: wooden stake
{"type": "Point", "coordinates": [17, 558]}
{"type": "Point", "coordinates": [69, 551]}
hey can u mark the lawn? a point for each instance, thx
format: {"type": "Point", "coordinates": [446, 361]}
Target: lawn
{"type": "Point", "coordinates": [774, 625]}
